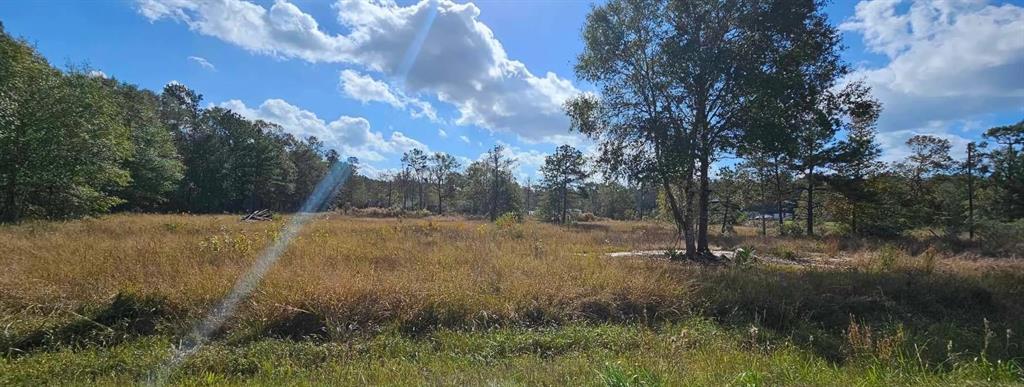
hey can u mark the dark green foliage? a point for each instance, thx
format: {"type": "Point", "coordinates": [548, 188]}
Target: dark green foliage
{"type": "Point", "coordinates": [1007, 165]}
{"type": "Point", "coordinates": [62, 143]}
{"type": "Point", "coordinates": [154, 166]}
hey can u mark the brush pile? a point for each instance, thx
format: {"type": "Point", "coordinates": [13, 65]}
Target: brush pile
{"type": "Point", "coordinates": [258, 216]}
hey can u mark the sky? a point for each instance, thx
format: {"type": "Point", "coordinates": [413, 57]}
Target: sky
{"type": "Point", "coordinates": [374, 78]}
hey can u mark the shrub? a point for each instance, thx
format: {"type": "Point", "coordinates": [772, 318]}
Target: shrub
{"type": "Point", "coordinates": [744, 257]}
{"type": "Point", "coordinates": [783, 252]}
{"type": "Point", "coordinates": [888, 256]}
{"type": "Point", "coordinates": [793, 228]}
{"type": "Point", "coordinates": [508, 220]}
{"type": "Point", "coordinates": [586, 217]}
{"type": "Point", "coordinates": [378, 212]}
{"type": "Point", "coordinates": [998, 238]}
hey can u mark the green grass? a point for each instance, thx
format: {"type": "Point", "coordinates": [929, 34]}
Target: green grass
{"type": "Point", "coordinates": [695, 352]}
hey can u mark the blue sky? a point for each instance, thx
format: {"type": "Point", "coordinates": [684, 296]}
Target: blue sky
{"type": "Point", "coordinates": [375, 78]}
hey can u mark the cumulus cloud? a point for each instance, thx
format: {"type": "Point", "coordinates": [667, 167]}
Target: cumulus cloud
{"type": "Point", "coordinates": [97, 74]}
{"type": "Point", "coordinates": [202, 62]}
{"type": "Point", "coordinates": [433, 46]}
{"type": "Point", "coordinates": [364, 88]}
{"type": "Point", "coordinates": [948, 60]}
{"type": "Point", "coordinates": [351, 136]}
{"type": "Point", "coordinates": [896, 149]}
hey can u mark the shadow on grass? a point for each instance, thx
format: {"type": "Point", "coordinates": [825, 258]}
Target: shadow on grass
{"type": "Point", "coordinates": [933, 315]}
{"type": "Point", "coordinates": [126, 316]}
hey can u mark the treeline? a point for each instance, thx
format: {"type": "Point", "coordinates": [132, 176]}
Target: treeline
{"type": "Point", "coordinates": [673, 102]}
{"type": "Point", "coordinates": [74, 144]}
{"type": "Point", "coordinates": [487, 188]}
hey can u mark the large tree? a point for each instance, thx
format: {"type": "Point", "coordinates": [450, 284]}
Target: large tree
{"type": "Point", "coordinates": [680, 80]}
{"type": "Point", "coordinates": [640, 132]}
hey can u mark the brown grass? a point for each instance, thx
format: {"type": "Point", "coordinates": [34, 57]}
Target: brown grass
{"type": "Point", "coordinates": [363, 272]}
{"type": "Point", "coordinates": [348, 276]}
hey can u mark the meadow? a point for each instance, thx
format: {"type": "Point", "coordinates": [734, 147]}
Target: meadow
{"type": "Point", "coordinates": [454, 301]}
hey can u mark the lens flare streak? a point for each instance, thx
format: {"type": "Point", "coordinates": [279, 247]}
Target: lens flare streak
{"type": "Point", "coordinates": [326, 189]}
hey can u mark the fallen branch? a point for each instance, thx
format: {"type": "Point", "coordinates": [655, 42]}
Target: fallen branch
{"type": "Point", "coordinates": [258, 216]}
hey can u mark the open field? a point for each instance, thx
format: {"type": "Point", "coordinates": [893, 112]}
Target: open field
{"type": "Point", "coordinates": [449, 301]}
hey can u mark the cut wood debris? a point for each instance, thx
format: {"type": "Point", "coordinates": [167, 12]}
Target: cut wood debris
{"type": "Point", "coordinates": [258, 216]}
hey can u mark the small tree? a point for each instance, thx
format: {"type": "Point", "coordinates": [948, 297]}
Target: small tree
{"type": "Point", "coordinates": [857, 159]}
{"type": "Point", "coordinates": [1008, 169]}
{"type": "Point", "coordinates": [417, 160]}
{"type": "Point", "coordinates": [564, 171]}
{"type": "Point", "coordinates": [502, 194]}
{"type": "Point", "coordinates": [442, 166]}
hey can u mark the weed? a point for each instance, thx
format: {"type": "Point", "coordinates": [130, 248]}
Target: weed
{"type": "Point", "coordinates": [617, 375]}
{"type": "Point", "coordinates": [744, 257]}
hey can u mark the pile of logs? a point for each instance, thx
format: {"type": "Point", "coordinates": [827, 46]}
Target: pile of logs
{"type": "Point", "coordinates": [258, 216]}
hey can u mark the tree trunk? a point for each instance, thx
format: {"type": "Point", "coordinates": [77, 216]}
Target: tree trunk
{"type": "Point", "coordinates": [764, 199]}
{"type": "Point", "coordinates": [494, 193]}
{"type": "Point", "coordinates": [691, 247]}
{"type": "Point", "coordinates": [703, 204]}
{"type": "Point", "coordinates": [440, 208]}
{"type": "Point", "coordinates": [681, 219]}
{"type": "Point", "coordinates": [725, 216]}
{"type": "Point", "coordinates": [778, 194]}
{"type": "Point", "coordinates": [810, 201]}
{"type": "Point", "coordinates": [970, 191]}
{"type": "Point", "coordinates": [853, 219]}
{"type": "Point", "coordinates": [564, 204]}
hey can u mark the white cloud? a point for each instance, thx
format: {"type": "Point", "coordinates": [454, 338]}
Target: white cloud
{"type": "Point", "coordinates": [364, 88]}
{"type": "Point", "coordinates": [202, 62]}
{"type": "Point", "coordinates": [464, 139]}
{"type": "Point", "coordinates": [434, 46]}
{"type": "Point", "coordinates": [441, 133]}
{"type": "Point", "coordinates": [351, 136]}
{"type": "Point", "coordinates": [97, 74]}
{"type": "Point", "coordinates": [896, 149]}
{"type": "Point", "coordinates": [949, 61]}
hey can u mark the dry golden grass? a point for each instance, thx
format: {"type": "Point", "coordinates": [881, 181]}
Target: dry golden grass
{"type": "Point", "coordinates": [916, 310]}
{"type": "Point", "coordinates": [357, 271]}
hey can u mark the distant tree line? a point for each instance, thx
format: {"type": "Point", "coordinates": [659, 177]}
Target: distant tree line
{"type": "Point", "coordinates": [75, 144]}
{"type": "Point", "coordinates": [673, 101]}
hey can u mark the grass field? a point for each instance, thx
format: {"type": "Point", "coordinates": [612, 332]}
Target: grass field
{"type": "Point", "coordinates": [449, 301]}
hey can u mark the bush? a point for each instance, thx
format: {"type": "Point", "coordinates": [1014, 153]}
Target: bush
{"type": "Point", "coordinates": [378, 212]}
{"type": "Point", "coordinates": [889, 256]}
{"type": "Point", "coordinates": [586, 217]}
{"type": "Point", "coordinates": [793, 228]}
{"type": "Point", "coordinates": [998, 238]}
{"type": "Point", "coordinates": [744, 256]}
{"type": "Point", "coordinates": [508, 220]}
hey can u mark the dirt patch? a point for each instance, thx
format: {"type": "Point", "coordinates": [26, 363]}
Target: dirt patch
{"type": "Point", "coordinates": [726, 255]}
